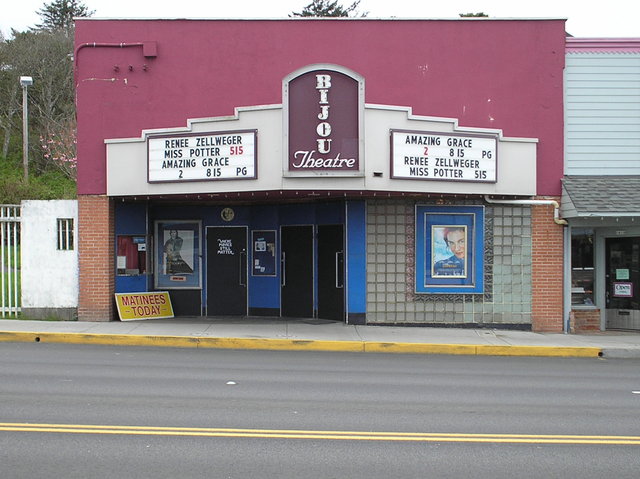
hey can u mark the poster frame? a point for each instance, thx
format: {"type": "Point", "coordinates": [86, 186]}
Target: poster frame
{"type": "Point", "coordinates": [438, 269]}
{"type": "Point", "coordinates": [189, 253]}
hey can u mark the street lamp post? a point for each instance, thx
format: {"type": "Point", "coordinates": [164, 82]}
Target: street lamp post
{"type": "Point", "coordinates": [25, 82]}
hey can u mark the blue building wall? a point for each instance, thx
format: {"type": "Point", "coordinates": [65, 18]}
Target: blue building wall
{"type": "Point", "coordinates": [356, 238]}
{"type": "Point", "coordinates": [263, 291]}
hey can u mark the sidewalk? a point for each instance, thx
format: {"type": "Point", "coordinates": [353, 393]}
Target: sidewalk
{"type": "Point", "coordinates": [321, 335]}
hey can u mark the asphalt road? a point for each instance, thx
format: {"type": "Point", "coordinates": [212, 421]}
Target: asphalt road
{"type": "Point", "coordinates": [83, 411]}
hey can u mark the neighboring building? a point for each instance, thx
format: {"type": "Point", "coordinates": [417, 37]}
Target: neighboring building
{"type": "Point", "coordinates": [601, 187]}
{"type": "Point", "coordinates": [49, 259]}
{"type": "Point", "coordinates": [367, 171]}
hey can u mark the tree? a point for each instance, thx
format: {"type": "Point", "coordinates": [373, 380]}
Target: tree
{"type": "Point", "coordinates": [328, 8]}
{"type": "Point", "coordinates": [45, 56]}
{"type": "Point", "coordinates": [58, 15]}
{"type": "Point", "coordinates": [44, 52]}
{"type": "Point", "coordinates": [9, 96]}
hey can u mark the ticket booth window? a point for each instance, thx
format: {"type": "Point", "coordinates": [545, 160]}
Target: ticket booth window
{"type": "Point", "coordinates": [131, 255]}
{"type": "Point", "coordinates": [582, 273]}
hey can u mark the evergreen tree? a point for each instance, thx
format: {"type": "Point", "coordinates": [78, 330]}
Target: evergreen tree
{"type": "Point", "coordinates": [58, 15]}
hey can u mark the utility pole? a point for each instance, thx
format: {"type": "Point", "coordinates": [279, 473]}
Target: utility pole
{"type": "Point", "coordinates": [25, 82]}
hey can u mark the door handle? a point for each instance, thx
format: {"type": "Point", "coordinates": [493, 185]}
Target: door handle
{"type": "Point", "coordinates": [283, 269]}
{"type": "Point", "coordinates": [243, 268]}
{"type": "Point", "coordinates": [339, 269]}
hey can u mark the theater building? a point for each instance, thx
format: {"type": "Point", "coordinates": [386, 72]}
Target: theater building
{"type": "Point", "coordinates": [367, 171]}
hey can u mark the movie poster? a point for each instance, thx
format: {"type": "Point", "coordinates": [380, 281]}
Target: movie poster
{"type": "Point", "coordinates": [177, 254]}
{"type": "Point", "coordinates": [449, 249]}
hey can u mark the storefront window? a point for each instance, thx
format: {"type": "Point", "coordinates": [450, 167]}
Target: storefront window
{"type": "Point", "coordinates": [582, 267]}
{"type": "Point", "coordinates": [131, 255]}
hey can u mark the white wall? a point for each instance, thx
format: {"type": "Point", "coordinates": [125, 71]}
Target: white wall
{"type": "Point", "coordinates": [516, 162]}
{"type": "Point", "coordinates": [602, 113]}
{"type": "Point", "coordinates": [49, 276]}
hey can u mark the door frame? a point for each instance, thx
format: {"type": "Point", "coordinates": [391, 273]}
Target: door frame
{"type": "Point", "coordinates": [246, 265]}
{"type": "Point", "coordinates": [600, 262]}
{"type": "Point", "coordinates": [612, 314]}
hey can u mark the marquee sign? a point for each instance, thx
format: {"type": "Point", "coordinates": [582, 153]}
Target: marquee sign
{"type": "Point", "coordinates": [227, 155]}
{"type": "Point", "coordinates": [424, 155]}
{"type": "Point", "coordinates": [323, 109]}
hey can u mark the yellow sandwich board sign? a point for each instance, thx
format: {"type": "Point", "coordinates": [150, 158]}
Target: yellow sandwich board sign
{"type": "Point", "coordinates": [155, 305]}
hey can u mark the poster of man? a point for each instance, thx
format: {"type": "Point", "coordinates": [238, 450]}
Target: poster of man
{"type": "Point", "coordinates": [174, 241]}
{"type": "Point", "coordinates": [449, 249]}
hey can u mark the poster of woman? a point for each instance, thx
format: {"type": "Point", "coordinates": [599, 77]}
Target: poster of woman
{"type": "Point", "coordinates": [449, 251]}
{"type": "Point", "coordinates": [174, 263]}
{"type": "Point", "coordinates": [177, 254]}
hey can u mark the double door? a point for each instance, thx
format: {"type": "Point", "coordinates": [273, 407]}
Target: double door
{"type": "Point", "coordinates": [300, 246]}
{"type": "Point", "coordinates": [311, 271]}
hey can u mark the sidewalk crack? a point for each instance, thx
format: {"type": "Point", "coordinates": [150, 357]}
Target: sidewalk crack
{"type": "Point", "coordinates": [355, 328]}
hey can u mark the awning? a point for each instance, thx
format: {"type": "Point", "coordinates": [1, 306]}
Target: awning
{"type": "Point", "coordinates": [603, 196]}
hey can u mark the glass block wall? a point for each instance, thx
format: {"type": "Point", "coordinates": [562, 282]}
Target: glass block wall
{"type": "Point", "coordinates": [391, 297]}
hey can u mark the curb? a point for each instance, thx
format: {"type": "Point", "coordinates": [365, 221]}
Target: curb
{"type": "Point", "coordinates": [299, 345]}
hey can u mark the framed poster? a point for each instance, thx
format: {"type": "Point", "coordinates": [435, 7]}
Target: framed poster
{"type": "Point", "coordinates": [177, 255]}
{"type": "Point", "coordinates": [449, 249]}
{"type": "Point", "coordinates": [264, 252]}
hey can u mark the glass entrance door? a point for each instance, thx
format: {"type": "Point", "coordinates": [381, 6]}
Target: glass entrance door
{"type": "Point", "coordinates": [622, 284]}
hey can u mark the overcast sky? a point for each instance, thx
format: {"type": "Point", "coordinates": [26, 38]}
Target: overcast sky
{"type": "Point", "coordinates": [585, 18]}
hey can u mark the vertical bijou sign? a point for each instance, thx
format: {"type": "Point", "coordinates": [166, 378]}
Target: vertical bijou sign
{"type": "Point", "coordinates": [323, 122]}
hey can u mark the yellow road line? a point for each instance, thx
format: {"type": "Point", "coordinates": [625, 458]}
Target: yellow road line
{"type": "Point", "coordinates": [325, 435]}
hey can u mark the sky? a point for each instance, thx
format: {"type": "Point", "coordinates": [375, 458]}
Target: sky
{"type": "Point", "coordinates": [585, 18]}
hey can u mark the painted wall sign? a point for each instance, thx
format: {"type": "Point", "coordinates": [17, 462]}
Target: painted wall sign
{"type": "Point", "coordinates": [155, 305]}
{"type": "Point", "coordinates": [324, 114]}
{"type": "Point", "coordinates": [225, 246]}
{"type": "Point", "coordinates": [226, 155]}
{"type": "Point", "coordinates": [424, 155]}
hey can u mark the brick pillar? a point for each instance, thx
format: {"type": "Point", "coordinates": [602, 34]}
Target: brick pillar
{"type": "Point", "coordinates": [96, 258]}
{"type": "Point", "coordinates": [548, 271]}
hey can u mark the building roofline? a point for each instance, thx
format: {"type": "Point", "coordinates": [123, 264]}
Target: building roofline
{"type": "Point", "coordinates": [602, 45]}
{"type": "Point", "coordinates": [323, 19]}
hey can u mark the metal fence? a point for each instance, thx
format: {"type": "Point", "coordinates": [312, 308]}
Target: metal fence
{"type": "Point", "coordinates": [9, 260]}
